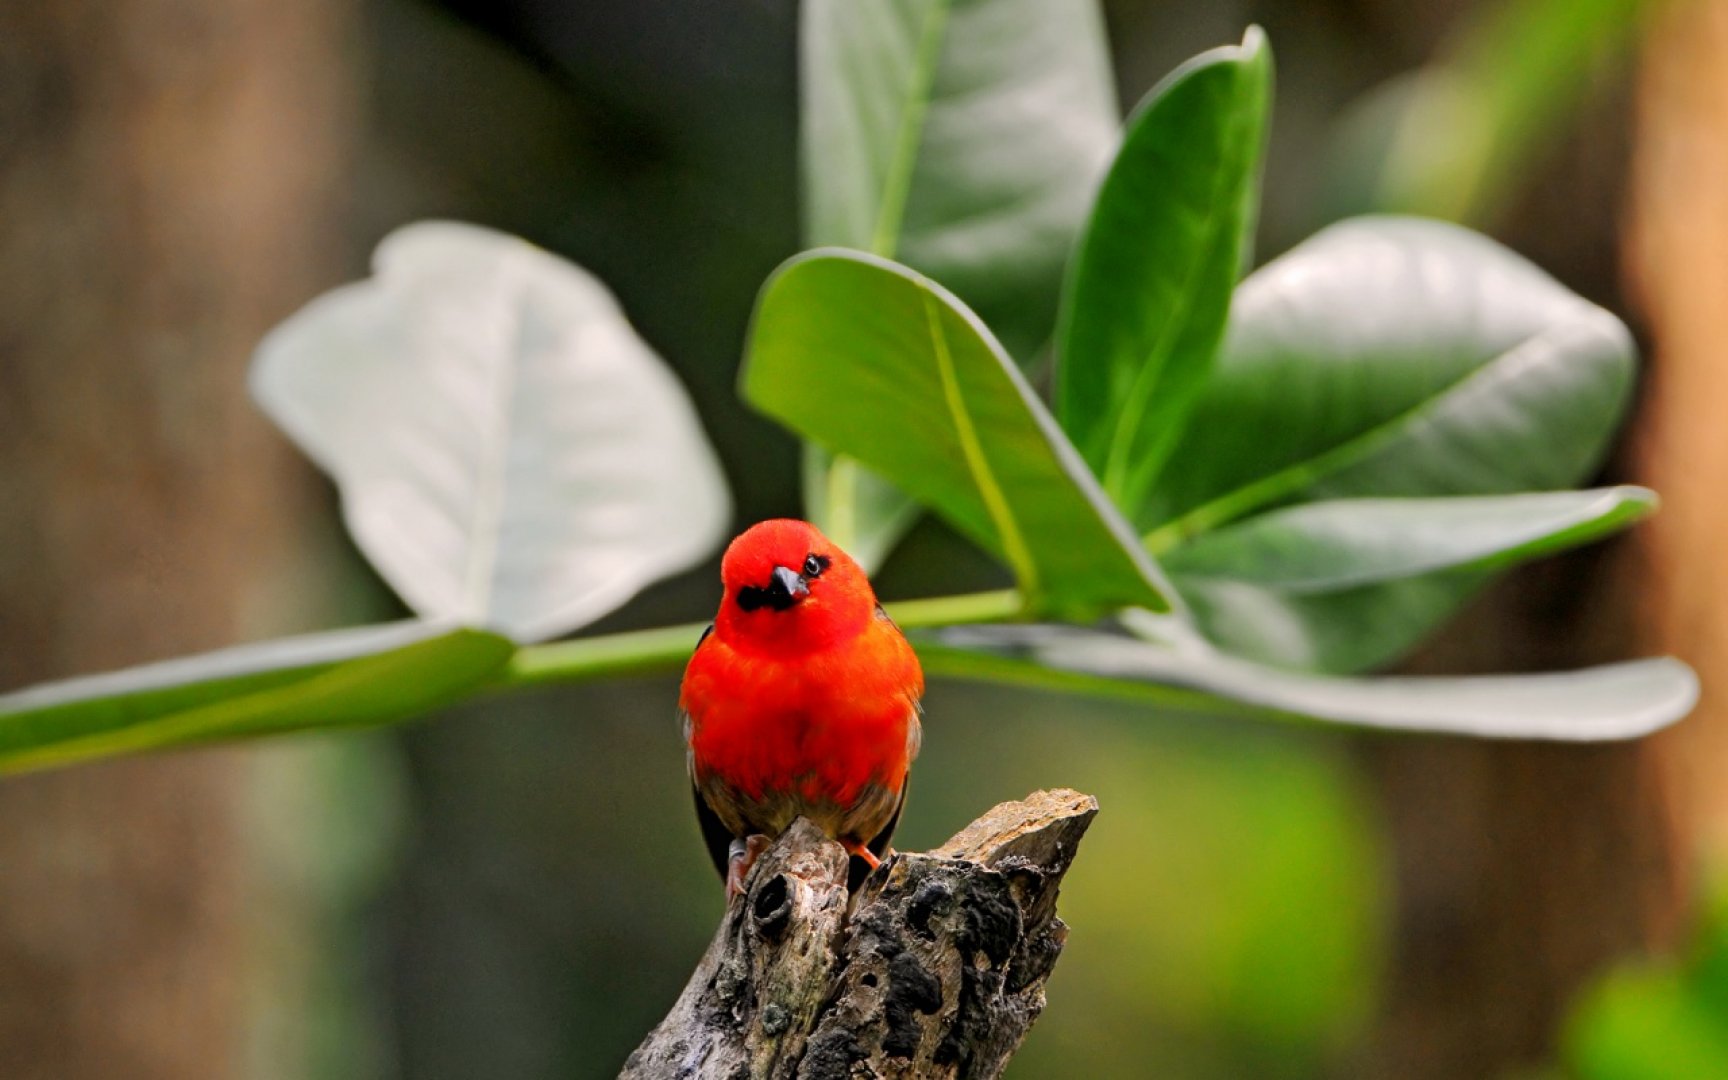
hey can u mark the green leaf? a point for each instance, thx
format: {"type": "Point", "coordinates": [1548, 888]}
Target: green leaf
{"type": "Point", "coordinates": [875, 361]}
{"type": "Point", "coordinates": [509, 452]}
{"type": "Point", "coordinates": [1148, 291]}
{"type": "Point", "coordinates": [1343, 632]}
{"type": "Point", "coordinates": [370, 675]}
{"type": "Point", "coordinates": [1351, 584]}
{"type": "Point", "coordinates": [1386, 358]}
{"type": "Point", "coordinates": [1390, 357]}
{"type": "Point", "coordinates": [1332, 546]}
{"type": "Point", "coordinates": [1613, 701]}
{"type": "Point", "coordinates": [964, 138]}
{"type": "Point", "coordinates": [1642, 1022]}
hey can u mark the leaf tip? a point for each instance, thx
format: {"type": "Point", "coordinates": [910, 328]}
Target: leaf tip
{"type": "Point", "coordinates": [1642, 500]}
{"type": "Point", "coordinates": [1255, 45]}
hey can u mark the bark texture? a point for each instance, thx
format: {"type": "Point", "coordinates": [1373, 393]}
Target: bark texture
{"type": "Point", "coordinates": [936, 968]}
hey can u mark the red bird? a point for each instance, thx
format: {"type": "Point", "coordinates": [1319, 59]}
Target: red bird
{"type": "Point", "coordinates": [800, 701]}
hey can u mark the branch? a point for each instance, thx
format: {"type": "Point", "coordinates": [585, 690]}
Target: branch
{"type": "Point", "coordinates": [935, 969]}
{"type": "Point", "coordinates": [667, 649]}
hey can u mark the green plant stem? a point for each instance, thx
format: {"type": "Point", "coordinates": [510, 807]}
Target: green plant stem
{"type": "Point", "coordinates": [947, 662]}
{"type": "Point", "coordinates": [1000, 605]}
{"type": "Point", "coordinates": [665, 649]}
{"type": "Point", "coordinates": [634, 652]}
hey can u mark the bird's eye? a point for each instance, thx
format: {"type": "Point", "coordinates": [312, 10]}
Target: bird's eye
{"type": "Point", "coordinates": [814, 565]}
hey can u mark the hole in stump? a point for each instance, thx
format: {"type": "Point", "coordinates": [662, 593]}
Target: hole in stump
{"type": "Point", "coordinates": [772, 908]}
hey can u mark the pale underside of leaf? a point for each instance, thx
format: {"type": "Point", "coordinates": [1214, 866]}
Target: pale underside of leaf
{"type": "Point", "coordinates": [509, 452]}
{"type": "Point", "coordinates": [1613, 701]}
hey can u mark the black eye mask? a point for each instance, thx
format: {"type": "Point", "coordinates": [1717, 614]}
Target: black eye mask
{"type": "Point", "coordinates": [785, 588]}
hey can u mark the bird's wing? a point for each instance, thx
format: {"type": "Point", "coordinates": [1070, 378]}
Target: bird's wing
{"type": "Point", "coordinates": [684, 721]}
{"type": "Point", "coordinates": [914, 731]}
{"type": "Point", "coordinates": [715, 836]}
{"type": "Point", "coordinates": [915, 723]}
{"type": "Point", "coordinates": [879, 844]}
{"type": "Point", "coordinates": [856, 869]}
{"type": "Point", "coordinates": [914, 742]}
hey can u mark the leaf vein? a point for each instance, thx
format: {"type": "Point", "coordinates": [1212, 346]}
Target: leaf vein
{"type": "Point", "coordinates": [897, 180]}
{"type": "Point", "coordinates": [1014, 547]}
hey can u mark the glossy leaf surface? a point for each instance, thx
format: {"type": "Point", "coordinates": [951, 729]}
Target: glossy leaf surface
{"type": "Point", "coordinates": [343, 678]}
{"type": "Point", "coordinates": [1386, 358]}
{"type": "Point", "coordinates": [1148, 290]}
{"type": "Point", "coordinates": [1344, 544]}
{"type": "Point", "coordinates": [1395, 357]}
{"type": "Point", "coordinates": [965, 139]}
{"type": "Point", "coordinates": [872, 360]}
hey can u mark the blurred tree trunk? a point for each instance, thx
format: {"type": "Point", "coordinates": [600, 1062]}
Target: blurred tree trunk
{"type": "Point", "coordinates": [1521, 871]}
{"type": "Point", "coordinates": [165, 167]}
{"type": "Point", "coordinates": [1677, 273]}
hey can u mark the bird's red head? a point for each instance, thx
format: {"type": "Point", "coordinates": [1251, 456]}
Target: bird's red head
{"type": "Point", "coordinates": [790, 589]}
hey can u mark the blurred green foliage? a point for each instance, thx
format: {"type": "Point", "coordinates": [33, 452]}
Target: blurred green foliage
{"type": "Point", "coordinates": [1659, 1019]}
{"type": "Point", "coordinates": [1452, 138]}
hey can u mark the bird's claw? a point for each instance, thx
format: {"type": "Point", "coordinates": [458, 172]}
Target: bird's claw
{"type": "Point", "coordinates": [741, 856]}
{"type": "Point", "coordinates": [859, 851]}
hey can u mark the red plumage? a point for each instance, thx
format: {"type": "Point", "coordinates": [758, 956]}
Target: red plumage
{"type": "Point", "coordinates": [802, 700]}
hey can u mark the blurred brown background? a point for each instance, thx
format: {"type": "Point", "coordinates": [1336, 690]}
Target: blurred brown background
{"type": "Point", "coordinates": [517, 890]}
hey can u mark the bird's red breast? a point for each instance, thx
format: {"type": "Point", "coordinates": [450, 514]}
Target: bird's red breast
{"type": "Point", "coordinates": [803, 698]}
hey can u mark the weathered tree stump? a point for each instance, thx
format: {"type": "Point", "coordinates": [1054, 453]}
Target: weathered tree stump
{"type": "Point", "coordinates": [935, 968]}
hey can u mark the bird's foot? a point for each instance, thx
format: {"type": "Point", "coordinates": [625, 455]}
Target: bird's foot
{"type": "Point", "coordinates": [859, 851]}
{"type": "Point", "coordinates": [741, 856]}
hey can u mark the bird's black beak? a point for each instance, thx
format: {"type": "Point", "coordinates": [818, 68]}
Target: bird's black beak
{"type": "Point", "coordinates": [783, 590]}
{"type": "Point", "coordinates": [789, 584]}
